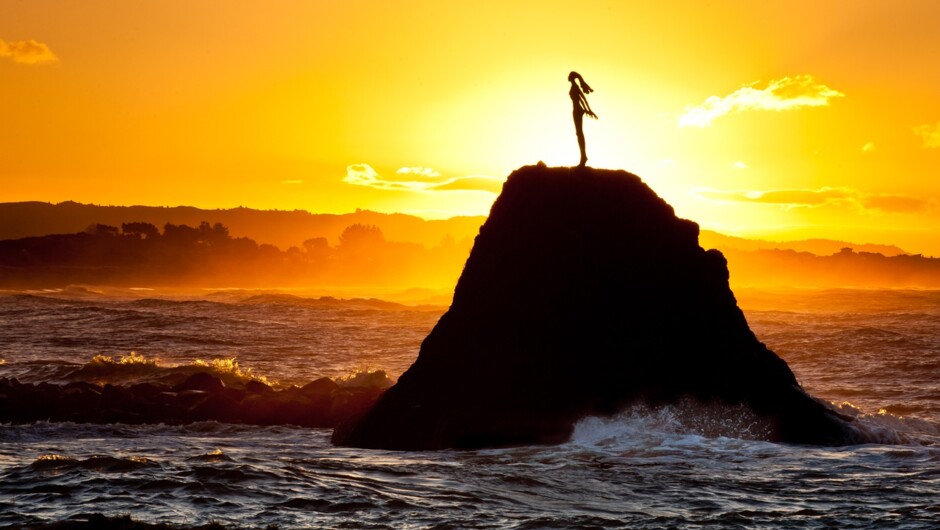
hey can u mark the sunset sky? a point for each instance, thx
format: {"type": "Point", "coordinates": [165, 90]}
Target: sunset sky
{"type": "Point", "coordinates": [782, 121]}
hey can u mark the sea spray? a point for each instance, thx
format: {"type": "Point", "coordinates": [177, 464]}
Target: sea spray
{"type": "Point", "coordinates": [647, 425]}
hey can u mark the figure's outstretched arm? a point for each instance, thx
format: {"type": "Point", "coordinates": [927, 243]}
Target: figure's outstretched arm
{"type": "Point", "coordinates": [587, 107]}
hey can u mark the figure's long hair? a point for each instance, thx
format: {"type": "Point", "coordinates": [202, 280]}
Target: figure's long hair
{"type": "Point", "coordinates": [584, 86]}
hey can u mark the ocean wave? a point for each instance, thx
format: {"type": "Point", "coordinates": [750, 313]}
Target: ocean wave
{"type": "Point", "coordinates": [686, 422]}
{"type": "Point", "coordinates": [52, 371]}
{"type": "Point", "coordinates": [213, 456]}
{"type": "Point", "coordinates": [151, 303]}
{"type": "Point", "coordinates": [366, 378]}
{"type": "Point", "coordinates": [203, 395]}
{"type": "Point", "coordinates": [136, 368]}
{"type": "Point", "coordinates": [101, 463]}
{"type": "Point", "coordinates": [689, 422]}
{"type": "Point", "coordinates": [70, 291]}
{"type": "Point", "coordinates": [884, 427]}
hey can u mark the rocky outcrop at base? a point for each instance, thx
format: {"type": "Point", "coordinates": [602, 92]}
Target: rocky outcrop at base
{"type": "Point", "coordinates": [585, 294]}
{"type": "Point", "coordinates": [201, 397]}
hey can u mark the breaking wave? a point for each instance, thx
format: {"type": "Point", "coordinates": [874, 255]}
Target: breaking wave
{"type": "Point", "coordinates": [648, 426]}
{"type": "Point", "coordinates": [100, 463]}
{"type": "Point", "coordinates": [688, 422]}
{"type": "Point", "coordinates": [135, 368]}
{"type": "Point", "coordinates": [884, 427]}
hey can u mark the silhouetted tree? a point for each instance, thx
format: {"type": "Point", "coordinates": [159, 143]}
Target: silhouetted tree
{"type": "Point", "coordinates": [180, 234]}
{"type": "Point", "coordinates": [215, 234]}
{"type": "Point", "coordinates": [317, 249]}
{"type": "Point", "coordinates": [220, 230]}
{"type": "Point", "coordinates": [140, 230]}
{"type": "Point", "coordinates": [102, 230]}
{"type": "Point", "coordinates": [359, 236]}
{"type": "Point", "coordinates": [269, 251]}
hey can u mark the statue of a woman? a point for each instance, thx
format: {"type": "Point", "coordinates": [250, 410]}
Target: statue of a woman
{"type": "Point", "coordinates": [580, 107]}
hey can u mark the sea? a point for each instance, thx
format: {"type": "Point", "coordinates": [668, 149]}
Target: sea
{"type": "Point", "coordinates": [871, 354]}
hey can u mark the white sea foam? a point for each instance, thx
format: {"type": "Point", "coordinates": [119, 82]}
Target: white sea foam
{"type": "Point", "coordinates": [884, 427]}
{"type": "Point", "coordinates": [686, 423]}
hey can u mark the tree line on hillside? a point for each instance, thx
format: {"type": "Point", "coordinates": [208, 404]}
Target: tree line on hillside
{"type": "Point", "coordinates": [207, 255]}
{"type": "Point", "coordinates": [282, 228]}
{"type": "Point", "coordinates": [139, 253]}
{"type": "Point", "coordinates": [847, 268]}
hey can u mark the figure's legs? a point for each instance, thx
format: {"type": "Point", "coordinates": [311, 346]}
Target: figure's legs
{"type": "Point", "coordinates": [579, 129]}
{"type": "Point", "coordinates": [581, 145]}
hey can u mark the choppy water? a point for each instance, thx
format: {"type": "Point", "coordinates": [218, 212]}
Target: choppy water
{"type": "Point", "coordinates": [287, 339]}
{"type": "Point", "coordinates": [879, 350]}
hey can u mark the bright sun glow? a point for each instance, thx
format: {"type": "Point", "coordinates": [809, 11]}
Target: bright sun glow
{"type": "Point", "coordinates": [192, 111]}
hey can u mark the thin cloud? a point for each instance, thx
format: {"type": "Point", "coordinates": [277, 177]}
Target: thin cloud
{"type": "Point", "coordinates": [868, 147]}
{"type": "Point", "coordinates": [792, 198]}
{"type": "Point", "coordinates": [930, 133]}
{"type": "Point", "coordinates": [418, 179]}
{"type": "Point", "coordinates": [292, 182]}
{"type": "Point", "coordinates": [472, 183]}
{"type": "Point", "coordinates": [27, 52]}
{"type": "Point", "coordinates": [815, 198]}
{"type": "Point", "coordinates": [783, 94]}
{"type": "Point", "coordinates": [418, 171]}
{"type": "Point", "coordinates": [898, 203]}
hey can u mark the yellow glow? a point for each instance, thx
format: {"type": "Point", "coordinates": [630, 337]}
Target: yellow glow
{"type": "Point", "coordinates": [220, 104]}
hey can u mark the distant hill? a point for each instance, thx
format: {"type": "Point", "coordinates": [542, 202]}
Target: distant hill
{"type": "Point", "coordinates": [298, 248]}
{"type": "Point", "coordinates": [285, 229]}
{"type": "Point", "coordinates": [281, 228]}
{"type": "Point", "coordinates": [819, 247]}
{"type": "Point", "coordinates": [821, 263]}
{"type": "Point", "coordinates": [182, 256]}
{"type": "Point", "coordinates": [788, 268]}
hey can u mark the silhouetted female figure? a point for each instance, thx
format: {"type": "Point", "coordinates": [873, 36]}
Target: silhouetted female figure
{"type": "Point", "coordinates": [580, 107]}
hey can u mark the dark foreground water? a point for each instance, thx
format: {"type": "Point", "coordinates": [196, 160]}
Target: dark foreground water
{"type": "Point", "coordinates": [874, 354]}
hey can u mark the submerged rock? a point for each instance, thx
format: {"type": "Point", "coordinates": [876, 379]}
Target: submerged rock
{"type": "Point", "coordinates": [584, 294]}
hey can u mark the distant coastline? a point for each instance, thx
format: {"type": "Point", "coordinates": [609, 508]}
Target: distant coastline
{"type": "Point", "coordinates": [46, 245]}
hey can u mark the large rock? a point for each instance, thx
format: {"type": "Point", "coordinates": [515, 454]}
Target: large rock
{"type": "Point", "coordinates": [584, 294]}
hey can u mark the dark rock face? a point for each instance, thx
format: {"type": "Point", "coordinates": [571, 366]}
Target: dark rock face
{"type": "Point", "coordinates": [584, 294]}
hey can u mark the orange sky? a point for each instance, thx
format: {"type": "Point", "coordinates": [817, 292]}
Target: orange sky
{"type": "Point", "coordinates": [804, 119]}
